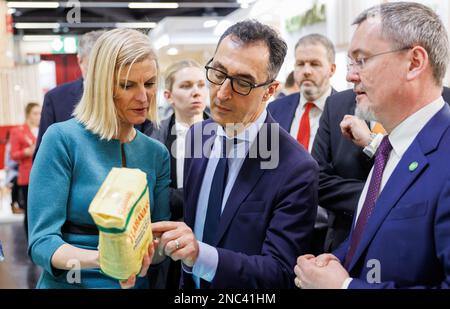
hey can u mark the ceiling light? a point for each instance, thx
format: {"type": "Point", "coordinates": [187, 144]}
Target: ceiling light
{"type": "Point", "coordinates": [245, 3]}
{"type": "Point", "coordinates": [34, 4]}
{"type": "Point", "coordinates": [136, 25]}
{"type": "Point", "coordinates": [210, 23]}
{"type": "Point", "coordinates": [153, 5]}
{"type": "Point", "coordinates": [36, 25]}
{"type": "Point", "coordinates": [34, 38]}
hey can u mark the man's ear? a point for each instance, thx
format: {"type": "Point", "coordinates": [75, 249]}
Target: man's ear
{"type": "Point", "coordinates": [419, 62]}
{"type": "Point", "coordinates": [271, 90]}
{"type": "Point", "coordinates": [332, 69]}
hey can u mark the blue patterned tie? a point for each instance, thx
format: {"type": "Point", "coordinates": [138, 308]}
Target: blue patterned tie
{"type": "Point", "coordinates": [216, 197]}
{"type": "Point", "coordinates": [381, 158]}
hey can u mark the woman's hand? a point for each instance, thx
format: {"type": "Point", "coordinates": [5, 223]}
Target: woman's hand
{"type": "Point", "coordinates": [146, 261]}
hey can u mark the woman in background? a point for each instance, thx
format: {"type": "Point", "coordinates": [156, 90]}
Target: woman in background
{"type": "Point", "coordinates": [23, 144]}
{"type": "Point", "coordinates": [185, 90]}
{"type": "Point", "coordinates": [75, 157]}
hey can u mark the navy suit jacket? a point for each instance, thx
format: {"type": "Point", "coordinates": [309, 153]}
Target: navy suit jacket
{"type": "Point", "coordinates": [283, 109]}
{"type": "Point", "coordinates": [407, 234]}
{"type": "Point", "coordinates": [58, 106]}
{"type": "Point", "coordinates": [268, 218]}
{"type": "Point", "coordinates": [343, 166]}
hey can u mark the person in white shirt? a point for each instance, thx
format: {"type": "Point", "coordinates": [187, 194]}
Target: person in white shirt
{"type": "Point", "coordinates": [300, 112]}
{"type": "Point", "coordinates": [185, 91]}
{"type": "Point", "coordinates": [398, 59]}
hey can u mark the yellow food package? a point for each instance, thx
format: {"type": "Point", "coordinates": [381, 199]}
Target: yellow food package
{"type": "Point", "coordinates": [121, 211]}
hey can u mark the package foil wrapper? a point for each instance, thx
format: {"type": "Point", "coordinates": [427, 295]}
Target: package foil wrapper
{"type": "Point", "coordinates": [121, 211]}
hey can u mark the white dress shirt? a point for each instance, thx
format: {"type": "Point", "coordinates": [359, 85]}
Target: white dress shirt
{"type": "Point", "coordinates": [314, 116]}
{"type": "Point", "coordinates": [181, 131]}
{"type": "Point", "coordinates": [401, 138]}
{"type": "Point", "coordinates": [208, 258]}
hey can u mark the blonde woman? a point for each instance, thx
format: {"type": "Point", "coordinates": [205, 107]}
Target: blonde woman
{"type": "Point", "coordinates": [76, 155]}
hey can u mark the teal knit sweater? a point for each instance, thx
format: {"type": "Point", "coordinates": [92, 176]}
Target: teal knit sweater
{"type": "Point", "coordinates": [67, 172]}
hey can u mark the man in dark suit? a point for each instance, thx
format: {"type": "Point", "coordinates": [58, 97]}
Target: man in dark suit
{"type": "Point", "coordinates": [343, 165]}
{"type": "Point", "coordinates": [60, 102]}
{"type": "Point", "coordinates": [398, 58]}
{"type": "Point", "coordinates": [314, 66]}
{"type": "Point", "coordinates": [299, 113]}
{"type": "Point", "coordinates": [247, 211]}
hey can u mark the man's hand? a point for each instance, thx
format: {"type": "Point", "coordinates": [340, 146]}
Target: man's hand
{"type": "Point", "coordinates": [146, 261]}
{"type": "Point", "coordinates": [355, 129]}
{"type": "Point", "coordinates": [177, 241]}
{"type": "Point", "coordinates": [323, 272]}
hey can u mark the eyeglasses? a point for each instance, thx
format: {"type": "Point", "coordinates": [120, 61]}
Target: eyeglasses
{"type": "Point", "coordinates": [240, 86]}
{"type": "Point", "coordinates": [359, 64]}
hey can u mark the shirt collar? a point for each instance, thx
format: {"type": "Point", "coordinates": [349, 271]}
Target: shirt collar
{"type": "Point", "coordinates": [249, 134]}
{"type": "Point", "coordinates": [180, 128]}
{"type": "Point", "coordinates": [319, 103]}
{"type": "Point", "coordinates": [404, 134]}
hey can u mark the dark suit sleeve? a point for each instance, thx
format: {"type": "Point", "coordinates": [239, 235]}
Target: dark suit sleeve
{"type": "Point", "coordinates": [47, 119]}
{"type": "Point", "coordinates": [335, 193]}
{"type": "Point", "coordinates": [176, 203]}
{"type": "Point", "coordinates": [287, 237]}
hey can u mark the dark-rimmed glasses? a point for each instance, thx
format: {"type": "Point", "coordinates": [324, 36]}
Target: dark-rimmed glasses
{"type": "Point", "coordinates": [240, 86]}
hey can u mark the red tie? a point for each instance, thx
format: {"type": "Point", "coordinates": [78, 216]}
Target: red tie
{"type": "Point", "coordinates": [304, 131]}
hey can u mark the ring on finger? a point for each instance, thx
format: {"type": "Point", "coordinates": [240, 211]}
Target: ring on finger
{"type": "Point", "coordinates": [177, 244]}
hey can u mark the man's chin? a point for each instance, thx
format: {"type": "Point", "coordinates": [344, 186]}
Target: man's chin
{"type": "Point", "coordinates": [363, 112]}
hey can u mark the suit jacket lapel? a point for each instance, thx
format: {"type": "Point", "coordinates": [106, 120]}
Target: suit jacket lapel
{"type": "Point", "coordinates": [171, 138]}
{"type": "Point", "coordinates": [196, 170]}
{"type": "Point", "coordinates": [398, 183]}
{"type": "Point", "coordinates": [290, 112]}
{"type": "Point", "coordinates": [248, 177]}
{"type": "Point", "coordinates": [401, 179]}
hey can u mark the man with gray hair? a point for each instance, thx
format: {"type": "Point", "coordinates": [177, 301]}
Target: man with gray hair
{"type": "Point", "coordinates": [398, 58]}
{"type": "Point", "coordinates": [60, 102]}
{"type": "Point", "coordinates": [300, 112]}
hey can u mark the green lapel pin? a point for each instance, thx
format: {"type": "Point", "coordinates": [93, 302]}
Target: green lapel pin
{"type": "Point", "coordinates": [413, 166]}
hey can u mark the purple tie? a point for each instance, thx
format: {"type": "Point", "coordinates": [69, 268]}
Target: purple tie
{"type": "Point", "coordinates": [381, 158]}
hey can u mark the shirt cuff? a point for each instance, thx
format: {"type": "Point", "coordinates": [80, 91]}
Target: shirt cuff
{"type": "Point", "coordinates": [346, 283]}
{"type": "Point", "coordinates": [206, 265]}
{"type": "Point", "coordinates": [186, 268]}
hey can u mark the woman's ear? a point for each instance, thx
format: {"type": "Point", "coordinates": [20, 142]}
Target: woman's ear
{"type": "Point", "coordinates": [168, 96]}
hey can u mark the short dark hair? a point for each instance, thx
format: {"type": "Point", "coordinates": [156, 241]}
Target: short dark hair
{"type": "Point", "coordinates": [250, 31]}
{"type": "Point", "coordinates": [316, 38]}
